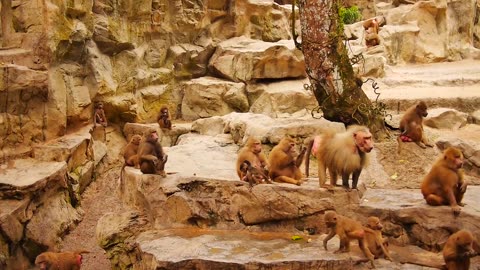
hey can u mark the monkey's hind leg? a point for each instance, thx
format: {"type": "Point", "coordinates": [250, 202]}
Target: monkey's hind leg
{"type": "Point", "coordinates": [286, 179]}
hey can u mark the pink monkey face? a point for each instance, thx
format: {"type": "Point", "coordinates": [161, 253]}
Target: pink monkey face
{"type": "Point", "coordinates": [364, 141]}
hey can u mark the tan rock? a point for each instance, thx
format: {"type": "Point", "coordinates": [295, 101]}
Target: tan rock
{"type": "Point", "coordinates": [208, 96]}
{"type": "Point", "coordinates": [445, 118]}
{"type": "Point", "coordinates": [243, 59]}
{"type": "Point", "coordinates": [276, 98]}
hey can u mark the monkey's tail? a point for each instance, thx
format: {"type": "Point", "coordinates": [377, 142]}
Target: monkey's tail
{"type": "Point", "coordinates": [391, 127]}
{"type": "Point", "coordinates": [307, 154]}
{"type": "Point", "coordinates": [82, 251]}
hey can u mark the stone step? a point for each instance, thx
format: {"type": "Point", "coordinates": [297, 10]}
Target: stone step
{"type": "Point", "coordinates": [446, 84]}
{"type": "Point", "coordinates": [22, 177]}
{"type": "Point", "coordinates": [428, 226]}
{"type": "Point", "coordinates": [217, 249]}
{"type": "Point", "coordinates": [36, 207]}
{"type": "Point", "coordinates": [81, 153]}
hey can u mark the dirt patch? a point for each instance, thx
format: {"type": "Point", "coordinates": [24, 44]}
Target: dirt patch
{"type": "Point", "coordinates": [98, 199]}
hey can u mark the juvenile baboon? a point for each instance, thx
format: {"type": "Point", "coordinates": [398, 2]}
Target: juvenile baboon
{"type": "Point", "coordinates": [164, 119]}
{"type": "Point", "coordinates": [346, 229]}
{"type": "Point", "coordinates": [445, 184]}
{"type": "Point", "coordinates": [251, 152]}
{"type": "Point", "coordinates": [284, 163]}
{"type": "Point", "coordinates": [60, 260]}
{"type": "Point", "coordinates": [411, 126]}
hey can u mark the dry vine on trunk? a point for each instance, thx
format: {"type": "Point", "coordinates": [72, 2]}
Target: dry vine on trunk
{"type": "Point", "coordinates": [329, 68]}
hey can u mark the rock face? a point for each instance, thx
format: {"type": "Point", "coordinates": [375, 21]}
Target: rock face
{"type": "Point", "coordinates": [40, 196]}
{"type": "Point", "coordinates": [36, 209]}
{"type": "Point", "coordinates": [137, 56]}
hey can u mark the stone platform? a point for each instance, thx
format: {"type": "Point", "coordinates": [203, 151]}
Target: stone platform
{"type": "Point", "coordinates": [215, 249]}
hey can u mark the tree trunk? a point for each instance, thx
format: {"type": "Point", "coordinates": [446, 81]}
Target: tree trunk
{"type": "Point", "coordinates": [6, 14]}
{"type": "Point", "coordinates": [333, 82]}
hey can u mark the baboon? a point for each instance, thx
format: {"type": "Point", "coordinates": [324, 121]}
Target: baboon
{"type": "Point", "coordinates": [346, 229]}
{"type": "Point", "coordinates": [251, 152]}
{"type": "Point", "coordinates": [254, 175]}
{"type": "Point", "coordinates": [445, 184]}
{"type": "Point", "coordinates": [375, 241]}
{"type": "Point", "coordinates": [151, 156]}
{"type": "Point", "coordinates": [284, 163]}
{"type": "Point", "coordinates": [458, 250]}
{"type": "Point", "coordinates": [411, 126]}
{"type": "Point", "coordinates": [164, 119]}
{"type": "Point", "coordinates": [60, 260]}
{"type": "Point", "coordinates": [341, 153]}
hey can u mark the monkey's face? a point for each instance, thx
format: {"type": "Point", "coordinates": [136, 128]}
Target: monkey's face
{"type": "Point", "coordinates": [364, 141]}
{"type": "Point", "coordinates": [374, 223]}
{"type": "Point", "coordinates": [42, 262]}
{"type": "Point", "coordinates": [454, 158]}
{"type": "Point", "coordinates": [422, 109]}
{"type": "Point", "coordinates": [256, 147]}
{"type": "Point", "coordinates": [330, 219]}
{"type": "Point", "coordinates": [153, 137]}
{"type": "Point", "coordinates": [164, 113]}
{"type": "Point", "coordinates": [136, 139]}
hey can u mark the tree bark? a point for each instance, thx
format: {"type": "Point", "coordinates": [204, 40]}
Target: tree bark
{"type": "Point", "coordinates": [333, 82]}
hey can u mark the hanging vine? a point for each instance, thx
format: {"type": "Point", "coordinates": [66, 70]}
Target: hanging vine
{"type": "Point", "coordinates": [337, 86]}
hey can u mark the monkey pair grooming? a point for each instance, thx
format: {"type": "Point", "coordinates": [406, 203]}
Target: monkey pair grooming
{"type": "Point", "coordinates": [60, 260]}
{"type": "Point", "coordinates": [459, 248]}
{"type": "Point", "coordinates": [411, 126]}
{"type": "Point", "coordinates": [251, 161]}
{"type": "Point", "coordinates": [285, 163]}
{"type": "Point", "coordinates": [163, 118]}
{"type": "Point", "coordinates": [151, 157]}
{"type": "Point", "coordinates": [346, 229]}
{"type": "Point", "coordinates": [445, 184]}
{"type": "Point", "coordinates": [342, 153]}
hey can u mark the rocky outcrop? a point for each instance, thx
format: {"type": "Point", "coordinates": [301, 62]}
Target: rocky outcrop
{"type": "Point", "coordinates": [210, 96]}
{"type": "Point", "coordinates": [41, 195]}
{"type": "Point", "coordinates": [37, 208]}
{"type": "Point", "coordinates": [242, 59]}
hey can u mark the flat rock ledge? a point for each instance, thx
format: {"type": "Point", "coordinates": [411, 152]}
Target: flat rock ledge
{"type": "Point", "coordinates": [200, 249]}
{"type": "Point", "coordinates": [408, 219]}
{"type": "Point", "coordinates": [33, 196]}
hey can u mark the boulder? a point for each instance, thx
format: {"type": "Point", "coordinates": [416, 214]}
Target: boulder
{"type": "Point", "coordinates": [270, 130]}
{"type": "Point", "coordinates": [410, 210]}
{"type": "Point", "coordinates": [190, 61]}
{"type": "Point", "coordinates": [475, 117]}
{"type": "Point", "coordinates": [28, 226]}
{"type": "Point", "coordinates": [445, 118]}
{"type": "Point", "coordinates": [209, 96]}
{"type": "Point", "coordinates": [109, 42]}
{"type": "Point", "coordinates": [243, 59]}
{"type": "Point", "coordinates": [113, 229]}
{"type": "Point", "coordinates": [283, 97]}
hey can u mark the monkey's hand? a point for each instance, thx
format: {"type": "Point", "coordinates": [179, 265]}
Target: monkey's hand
{"type": "Point", "coordinates": [302, 150]}
{"type": "Point", "coordinates": [456, 210]}
{"type": "Point", "coordinates": [470, 253]}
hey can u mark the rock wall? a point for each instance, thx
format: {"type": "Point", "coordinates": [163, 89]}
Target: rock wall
{"type": "Point", "coordinates": [58, 57]}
